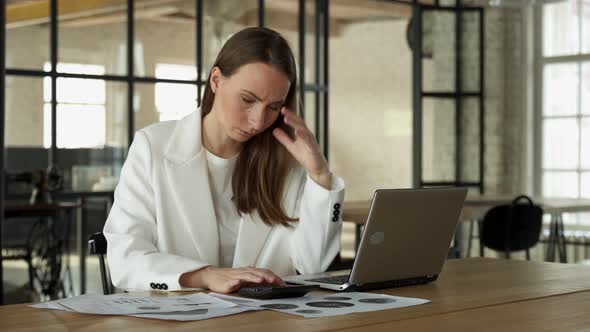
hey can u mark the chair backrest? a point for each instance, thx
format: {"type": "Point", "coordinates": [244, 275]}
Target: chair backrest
{"type": "Point", "coordinates": [512, 227]}
{"type": "Point", "coordinates": [97, 245]}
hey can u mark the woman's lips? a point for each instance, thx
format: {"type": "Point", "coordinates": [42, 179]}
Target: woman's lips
{"type": "Point", "coordinates": [244, 133]}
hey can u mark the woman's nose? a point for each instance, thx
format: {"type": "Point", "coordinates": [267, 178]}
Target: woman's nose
{"type": "Point", "coordinates": [256, 119]}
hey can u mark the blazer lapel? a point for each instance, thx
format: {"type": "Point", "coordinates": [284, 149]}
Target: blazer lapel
{"type": "Point", "coordinates": [186, 171]}
{"type": "Point", "coordinates": [251, 239]}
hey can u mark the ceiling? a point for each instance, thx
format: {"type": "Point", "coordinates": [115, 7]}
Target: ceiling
{"type": "Point", "coordinates": [281, 14]}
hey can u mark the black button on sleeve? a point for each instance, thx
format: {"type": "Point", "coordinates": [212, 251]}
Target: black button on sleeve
{"type": "Point", "coordinates": [152, 285]}
{"type": "Point", "coordinates": [335, 219]}
{"type": "Point", "coordinates": [164, 286]}
{"type": "Point", "coordinates": [337, 206]}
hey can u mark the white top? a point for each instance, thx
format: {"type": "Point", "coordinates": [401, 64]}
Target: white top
{"type": "Point", "coordinates": [228, 219]}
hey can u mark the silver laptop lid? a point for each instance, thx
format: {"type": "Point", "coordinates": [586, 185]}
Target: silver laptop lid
{"type": "Point", "coordinates": [408, 234]}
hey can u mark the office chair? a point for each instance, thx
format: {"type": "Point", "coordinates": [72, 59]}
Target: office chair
{"type": "Point", "coordinates": [97, 245]}
{"type": "Point", "coordinates": [512, 227]}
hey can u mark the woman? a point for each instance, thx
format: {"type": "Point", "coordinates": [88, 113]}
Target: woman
{"type": "Point", "coordinates": [235, 193]}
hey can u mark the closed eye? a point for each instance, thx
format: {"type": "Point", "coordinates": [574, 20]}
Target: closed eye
{"type": "Point", "coordinates": [247, 100]}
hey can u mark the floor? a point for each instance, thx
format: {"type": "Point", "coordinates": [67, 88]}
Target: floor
{"type": "Point", "coordinates": [16, 280]}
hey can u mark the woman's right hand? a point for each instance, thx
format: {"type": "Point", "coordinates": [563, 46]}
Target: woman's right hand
{"type": "Point", "coordinates": [228, 280]}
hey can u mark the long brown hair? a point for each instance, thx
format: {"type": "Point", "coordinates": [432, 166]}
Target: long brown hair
{"type": "Point", "coordinates": [263, 164]}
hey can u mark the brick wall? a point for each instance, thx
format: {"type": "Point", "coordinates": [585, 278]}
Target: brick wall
{"type": "Point", "coordinates": [504, 99]}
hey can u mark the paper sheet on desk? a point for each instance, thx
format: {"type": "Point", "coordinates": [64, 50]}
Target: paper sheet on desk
{"type": "Point", "coordinates": [198, 314]}
{"type": "Point", "coordinates": [308, 306]}
{"type": "Point", "coordinates": [191, 315]}
{"type": "Point", "coordinates": [331, 304]}
{"type": "Point", "coordinates": [124, 304]}
{"type": "Point", "coordinates": [50, 305]}
{"type": "Point", "coordinates": [204, 314]}
{"type": "Point", "coordinates": [234, 299]}
{"type": "Point", "coordinates": [56, 306]}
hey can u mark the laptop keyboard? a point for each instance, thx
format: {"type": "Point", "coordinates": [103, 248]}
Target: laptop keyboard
{"type": "Point", "coordinates": [335, 280]}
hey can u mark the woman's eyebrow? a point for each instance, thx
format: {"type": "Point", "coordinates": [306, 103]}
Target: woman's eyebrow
{"type": "Point", "coordinates": [260, 99]}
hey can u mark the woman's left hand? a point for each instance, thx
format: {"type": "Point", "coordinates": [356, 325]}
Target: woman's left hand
{"type": "Point", "coordinates": [304, 148]}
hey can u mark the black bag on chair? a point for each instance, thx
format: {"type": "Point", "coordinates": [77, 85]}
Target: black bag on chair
{"type": "Point", "coordinates": [512, 227]}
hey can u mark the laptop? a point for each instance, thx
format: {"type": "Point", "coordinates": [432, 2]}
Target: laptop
{"type": "Point", "coordinates": [405, 242]}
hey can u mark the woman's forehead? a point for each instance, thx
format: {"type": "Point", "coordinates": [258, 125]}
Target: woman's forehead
{"type": "Point", "coordinates": [265, 81]}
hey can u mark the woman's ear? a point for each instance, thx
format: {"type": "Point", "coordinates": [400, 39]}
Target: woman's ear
{"type": "Point", "coordinates": [215, 78]}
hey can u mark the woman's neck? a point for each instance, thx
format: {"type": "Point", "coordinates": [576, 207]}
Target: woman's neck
{"type": "Point", "coordinates": [215, 140]}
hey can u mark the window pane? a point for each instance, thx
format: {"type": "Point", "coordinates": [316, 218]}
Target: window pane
{"type": "Point", "coordinates": [76, 90]}
{"type": "Point", "coordinates": [310, 110]}
{"type": "Point", "coordinates": [585, 141]}
{"type": "Point", "coordinates": [79, 68]}
{"type": "Point", "coordinates": [221, 20]}
{"type": "Point", "coordinates": [47, 89]}
{"type": "Point", "coordinates": [470, 140]}
{"type": "Point", "coordinates": [78, 126]}
{"type": "Point", "coordinates": [438, 140]}
{"type": "Point", "coordinates": [560, 143]}
{"type": "Point", "coordinates": [438, 47]}
{"type": "Point", "coordinates": [27, 34]}
{"type": "Point", "coordinates": [310, 31]}
{"type": "Point", "coordinates": [585, 185]}
{"type": "Point", "coordinates": [175, 71]}
{"type": "Point", "coordinates": [561, 28]}
{"type": "Point", "coordinates": [165, 32]}
{"type": "Point", "coordinates": [282, 16]}
{"type": "Point", "coordinates": [585, 26]}
{"type": "Point", "coordinates": [144, 108]}
{"type": "Point", "coordinates": [174, 101]}
{"type": "Point", "coordinates": [81, 91]}
{"type": "Point", "coordinates": [97, 126]}
{"type": "Point", "coordinates": [94, 31]}
{"type": "Point", "coordinates": [585, 107]}
{"type": "Point", "coordinates": [98, 167]}
{"type": "Point", "coordinates": [23, 133]}
{"type": "Point", "coordinates": [560, 184]}
{"type": "Point", "coordinates": [560, 89]}
{"type": "Point", "coordinates": [24, 116]}
{"type": "Point", "coordinates": [470, 52]}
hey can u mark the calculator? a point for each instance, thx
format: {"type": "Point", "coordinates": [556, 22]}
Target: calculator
{"type": "Point", "coordinates": [267, 292]}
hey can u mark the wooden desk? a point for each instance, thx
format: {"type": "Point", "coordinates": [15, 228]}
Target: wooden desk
{"type": "Point", "coordinates": [544, 314]}
{"type": "Point", "coordinates": [475, 207]}
{"type": "Point", "coordinates": [467, 290]}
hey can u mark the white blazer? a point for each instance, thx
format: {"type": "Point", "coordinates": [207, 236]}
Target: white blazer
{"type": "Point", "coordinates": [162, 223]}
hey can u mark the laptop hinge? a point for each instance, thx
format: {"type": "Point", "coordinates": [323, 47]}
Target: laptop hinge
{"type": "Point", "coordinates": [393, 283]}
